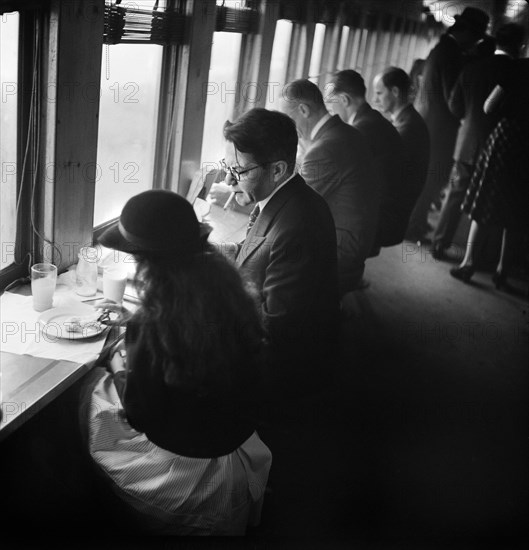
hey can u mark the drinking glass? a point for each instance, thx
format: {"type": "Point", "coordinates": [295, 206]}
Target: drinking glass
{"type": "Point", "coordinates": [43, 282]}
{"type": "Point", "coordinates": [114, 283]}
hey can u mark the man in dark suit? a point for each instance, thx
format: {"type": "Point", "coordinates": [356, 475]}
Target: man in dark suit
{"type": "Point", "coordinates": [349, 102]}
{"type": "Point", "coordinates": [338, 164]}
{"type": "Point", "coordinates": [439, 75]}
{"type": "Point", "coordinates": [472, 88]}
{"type": "Point", "coordinates": [391, 93]}
{"type": "Point", "coordinates": [289, 254]}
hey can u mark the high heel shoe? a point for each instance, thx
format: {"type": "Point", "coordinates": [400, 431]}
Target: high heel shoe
{"type": "Point", "coordinates": [463, 273]}
{"type": "Point", "coordinates": [499, 279]}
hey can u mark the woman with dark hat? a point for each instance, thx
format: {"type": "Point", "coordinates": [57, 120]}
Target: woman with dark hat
{"type": "Point", "coordinates": [172, 426]}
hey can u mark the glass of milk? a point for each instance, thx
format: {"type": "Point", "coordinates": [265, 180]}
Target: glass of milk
{"type": "Point", "coordinates": [114, 283]}
{"type": "Point", "coordinates": [43, 281]}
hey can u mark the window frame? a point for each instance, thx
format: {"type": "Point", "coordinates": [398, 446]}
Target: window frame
{"type": "Point", "coordinates": [19, 268]}
{"type": "Point", "coordinates": [75, 27]}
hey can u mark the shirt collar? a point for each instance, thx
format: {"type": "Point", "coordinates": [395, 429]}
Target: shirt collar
{"type": "Point", "coordinates": [396, 113]}
{"type": "Point", "coordinates": [362, 109]}
{"type": "Point", "coordinates": [499, 51]}
{"type": "Point", "coordinates": [318, 125]}
{"type": "Point", "coordinates": [264, 202]}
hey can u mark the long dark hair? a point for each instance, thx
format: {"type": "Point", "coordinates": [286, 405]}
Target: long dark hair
{"type": "Point", "coordinates": [198, 323]}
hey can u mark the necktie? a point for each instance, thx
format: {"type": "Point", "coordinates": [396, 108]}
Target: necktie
{"type": "Point", "coordinates": [253, 216]}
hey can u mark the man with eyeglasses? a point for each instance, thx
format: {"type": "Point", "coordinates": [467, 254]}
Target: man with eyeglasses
{"type": "Point", "coordinates": [289, 254]}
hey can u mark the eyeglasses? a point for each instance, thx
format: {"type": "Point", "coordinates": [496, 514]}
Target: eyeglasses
{"type": "Point", "coordinates": [236, 174]}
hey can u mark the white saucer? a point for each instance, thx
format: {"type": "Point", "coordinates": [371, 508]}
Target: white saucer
{"type": "Point", "coordinates": [54, 323]}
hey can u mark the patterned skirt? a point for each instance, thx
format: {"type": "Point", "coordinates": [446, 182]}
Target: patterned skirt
{"type": "Point", "coordinates": [498, 193]}
{"type": "Point", "coordinates": [176, 495]}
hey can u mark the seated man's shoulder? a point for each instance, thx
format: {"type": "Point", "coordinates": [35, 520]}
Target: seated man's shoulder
{"type": "Point", "coordinates": [303, 198]}
{"type": "Point", "coordinates": [342, 137]}
{"type": "Point", "coordinates": [383, 123]}
{"type": "Point", "coordinates": [413, 125]}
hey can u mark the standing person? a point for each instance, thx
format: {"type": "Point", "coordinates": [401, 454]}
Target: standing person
{"type": "Point", "coordinates": [416, 77]}
{"type": "Point", "coordinates": [289, 253]}
{"type": "Point", "coordinates": [338, 164]}
{"type": "Point", "coordinates": [473, 85]}
{"type": "Point", "coordinates": [440, 73]}
{"type": "Point", "coordinates": [391, 90]}
{"type": "Point", "coordinates": [498, 193]}
{"type": "Point", "coordinates": [171, 427]}
{"type": "Point", "coordinates": [348, 100]}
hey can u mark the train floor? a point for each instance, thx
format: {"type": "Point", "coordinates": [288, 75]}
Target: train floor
{"type": "Point", "coordinates": [424, 438]}
{"type": "Point", "coordinates": [420, 442]}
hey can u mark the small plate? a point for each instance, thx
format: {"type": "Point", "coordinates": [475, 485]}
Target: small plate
{"type": "Point", "coordinates": [54, 323]}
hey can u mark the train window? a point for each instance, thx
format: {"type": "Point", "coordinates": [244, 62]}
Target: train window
{"type": "Point", "coordinates": [361, 52]}
{"type": "Point", "coordinates": [8, 144]}
{"type": "Point", "coordinates": [278, 62]}
{"type": "Point", "coordinates": [395, 48]}
{"type": "Point", "coordinates": [369, 60]}
{"type": "Point", "coordinates": [220, 92]}
{"type": "Point", "coordinates": [382, 54]}
{"type": "Point", "coordinates": [342, 51]}
{"type": "Point", "coordinates": [130, 84]}
{"type": "Point", "coordinates": [353, 48]}
{"type": "Point", "coordinates": [404, 49]}
{"type": "Point", "coordinates": [317, 50]}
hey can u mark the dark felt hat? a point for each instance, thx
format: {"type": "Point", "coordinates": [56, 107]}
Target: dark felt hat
{"type": "Point", "coordinates": [157, 222]}
{"type": "Point", "coordinates": [472, 19]}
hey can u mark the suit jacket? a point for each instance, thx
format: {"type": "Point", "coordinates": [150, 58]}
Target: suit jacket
{"type": "Point", "coordinates": [416, 141]}
{"type": "Point", "coordinates": [290, 256]}
{"type": "Point", "coordinates": [387, 148]}
{"type": "Point", "coordinates": [441, 69]}
{"type": "Point", "coordinates": [471, 89]}
{"type": "Point", "coordinates": [340, 167]}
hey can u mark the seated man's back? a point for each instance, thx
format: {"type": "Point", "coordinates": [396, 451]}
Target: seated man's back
{"type": "Point", "coordinates": [387, 148]}
{"type": "Point", "coordinates": [337, 163]}
{"type": "Point", "coordinates": [340, 167]}
{"type": "Point", "coordinates": [391, 90]}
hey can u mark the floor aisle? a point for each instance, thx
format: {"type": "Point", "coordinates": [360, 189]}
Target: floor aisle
{"type": "Point", "coordinates": [424, 440]}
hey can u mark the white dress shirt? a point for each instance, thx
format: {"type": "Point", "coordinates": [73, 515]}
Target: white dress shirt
{"type": "Point", "coordinates": [318, 125]}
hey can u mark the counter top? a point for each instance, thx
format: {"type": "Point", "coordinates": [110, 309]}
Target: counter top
{"type": "Point", "coordinates": [29, 383]}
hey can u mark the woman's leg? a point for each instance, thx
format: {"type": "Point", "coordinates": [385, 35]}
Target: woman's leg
{"type": "Point", "coordinates": [499, 278]}
{"type": "Point", "coordinates": [503, 262]}
{"type": "Point", "coordinates": [466, 269]}
{"type": "Point", "coordinates": [473, 244]}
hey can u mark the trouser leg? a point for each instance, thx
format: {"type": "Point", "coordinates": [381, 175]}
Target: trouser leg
{"type": "Point", "coordinates": [438, 172]}
{"type": "Point", "coordinates": [451, 210]}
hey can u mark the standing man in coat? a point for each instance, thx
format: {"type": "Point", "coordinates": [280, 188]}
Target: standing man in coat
{"type": "Point", "coordinates": [391, 96]}
{"type": "Point", "coordinates": [339, 166]}
{"type": "Point", "coordinates": [440, 73]}
{"type": "Point", "coordinates": [472, 88]}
